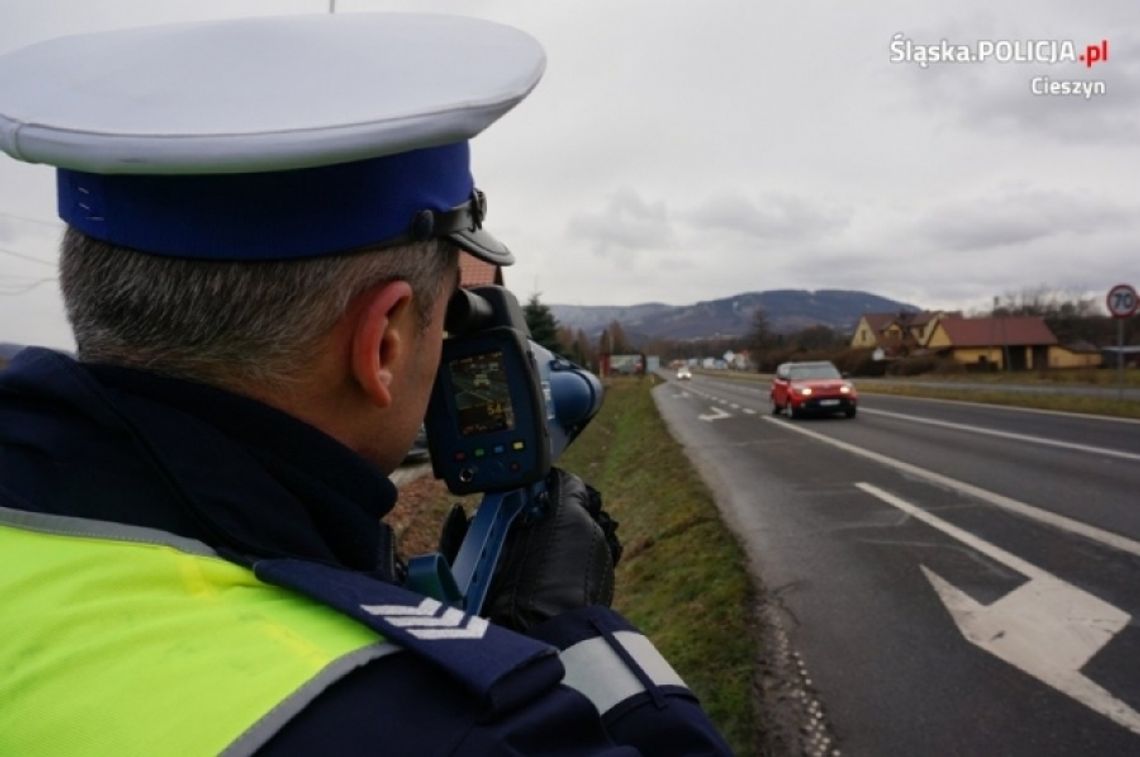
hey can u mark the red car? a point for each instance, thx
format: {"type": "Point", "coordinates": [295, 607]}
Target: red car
{"type": "Point", "coordinates": [803, 388]}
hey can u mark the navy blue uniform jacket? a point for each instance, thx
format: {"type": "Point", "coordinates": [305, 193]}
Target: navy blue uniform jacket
{"type": "Point", "coordinates": [127, 446]}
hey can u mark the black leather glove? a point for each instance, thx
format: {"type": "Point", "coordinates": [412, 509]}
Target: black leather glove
{"type": "Point", "coordinates": [559, 561]}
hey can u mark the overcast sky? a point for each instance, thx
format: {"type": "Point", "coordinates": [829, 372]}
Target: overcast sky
{"type": "Point", "coordinates": [680, 151]}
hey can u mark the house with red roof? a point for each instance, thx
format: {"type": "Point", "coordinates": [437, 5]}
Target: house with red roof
{"type": "Point", "coordinates": [1004, 342]}
{"type": "Point", "coordinates": [877, 330]}
{"type": "Point", "coordinates": [897, 333]}
{"type": "Point", "coordinates": [922, 325]}
{"type": "Point", "coordinates": [1009, 343]}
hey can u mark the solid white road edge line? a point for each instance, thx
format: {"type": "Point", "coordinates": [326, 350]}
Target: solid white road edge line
{"type": "Point", "coordinates": [1108, 538]}
{"type": "Point", "coordinates": [1006, 434]}
{"type": "Point", "coordinates": [1046, 627]}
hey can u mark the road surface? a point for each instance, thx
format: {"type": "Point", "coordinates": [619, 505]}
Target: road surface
{"type": "Point", "coordinates": [959, 579]}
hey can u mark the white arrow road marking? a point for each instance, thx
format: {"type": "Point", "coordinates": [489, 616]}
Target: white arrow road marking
{"type": "Point", "coordinates": [1108, 538]}
{"type": "Point", "coordinates": [682, 395]}
{"type": "Point", "coordinates": [1046, 627]}
{"type": "Point", "coordinates": [715, 415]}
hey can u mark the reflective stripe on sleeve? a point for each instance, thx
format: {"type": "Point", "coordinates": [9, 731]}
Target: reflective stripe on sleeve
{"type": "Point", "coordinates": [598, 672]}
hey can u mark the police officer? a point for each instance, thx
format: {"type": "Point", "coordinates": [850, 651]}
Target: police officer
{"type": "Point", "coordinates": [263, 219]}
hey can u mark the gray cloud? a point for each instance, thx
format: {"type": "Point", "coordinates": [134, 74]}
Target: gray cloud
{"type": "Point", "coordinates": [1020, 217]}
{"type": "Point", "coordinates": [941, 276]}
{"type": "Point", "coordinates": [626, 224]}
{"type": "Point", "coordinates": [775, 217]}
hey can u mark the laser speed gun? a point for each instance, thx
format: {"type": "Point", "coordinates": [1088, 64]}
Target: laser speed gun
{"type": "Point", "coordinates": [502, 411]}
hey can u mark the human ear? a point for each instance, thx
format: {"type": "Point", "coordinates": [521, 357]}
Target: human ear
{"type": "Point", "coordinates": [378, 341]}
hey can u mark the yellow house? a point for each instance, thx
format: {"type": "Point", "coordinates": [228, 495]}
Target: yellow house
{"type": "Point", "coordinates": [1016, 342]}
{"type": "Point", "coordinates": [1076, 355]}
{"type": "Point", "coordinates": [870, 327]}
{"type": "Point", "coordinates": [922, 325]}
{"type": "Point", "coordinates": [896, 331]}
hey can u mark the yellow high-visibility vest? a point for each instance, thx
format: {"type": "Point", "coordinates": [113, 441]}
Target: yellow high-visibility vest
{"type": "Point", "coordinates": [121, 640]}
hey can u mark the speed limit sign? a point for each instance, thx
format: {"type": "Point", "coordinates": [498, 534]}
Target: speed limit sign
{"type": "Point", "coordinates": [1122, 301]}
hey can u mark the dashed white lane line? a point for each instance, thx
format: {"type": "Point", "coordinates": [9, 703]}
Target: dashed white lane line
{"type": "Point", "coordinates": [1007, 435]}
{"type": "Point", "coordinates": [1108, 538]}
{"type": "Point", "coordinates": [722, 401]}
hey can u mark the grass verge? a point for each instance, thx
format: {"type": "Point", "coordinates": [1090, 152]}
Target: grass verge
{"type": "Point", "coordinates": [683, 578]}
{"type": "Point", "coordinates": [1101, 377]}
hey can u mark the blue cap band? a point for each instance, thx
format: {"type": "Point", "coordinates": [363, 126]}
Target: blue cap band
{"type": "Point", "coordinates": [276, 215]}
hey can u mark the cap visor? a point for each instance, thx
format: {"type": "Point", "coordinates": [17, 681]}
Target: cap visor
{"type": "Point", "coordinates": [483, 246]}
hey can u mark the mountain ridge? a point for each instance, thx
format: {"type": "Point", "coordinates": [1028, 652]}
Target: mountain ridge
{"type": "Point", "coordinates": [788, 310]}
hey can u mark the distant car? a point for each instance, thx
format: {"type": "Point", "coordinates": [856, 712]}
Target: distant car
{"type": "Point", "coordinates": [684, 374]}
{"type": "Point", "coordinates": [802, 388]}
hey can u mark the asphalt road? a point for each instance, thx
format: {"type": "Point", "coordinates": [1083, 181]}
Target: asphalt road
{"type": "Point", "coordinates": [959, 579]}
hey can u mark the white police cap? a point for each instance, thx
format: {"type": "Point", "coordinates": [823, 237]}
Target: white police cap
{"type": "Point", "coordinates": [269, 138]}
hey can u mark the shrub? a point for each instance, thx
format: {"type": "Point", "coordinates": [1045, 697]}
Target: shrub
{"type": "Point", "coordinates": [915, 365]}
{"type": "Point", "coordinates": [859, 361]}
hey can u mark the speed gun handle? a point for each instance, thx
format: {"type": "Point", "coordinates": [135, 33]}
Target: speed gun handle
{"type": "Point", "coordinates": [465, 583]}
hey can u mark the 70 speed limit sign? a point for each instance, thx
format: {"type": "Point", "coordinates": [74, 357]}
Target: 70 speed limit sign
{"type": "Point", "coordinates": [1122, 301]}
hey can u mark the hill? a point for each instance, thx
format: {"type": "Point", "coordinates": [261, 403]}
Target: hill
{"type": "Point", "coordinates": [787, 309]}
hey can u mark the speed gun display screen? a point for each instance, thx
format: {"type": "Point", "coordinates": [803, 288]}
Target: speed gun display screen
{"type": "Point", "coordinates": [482, 397]}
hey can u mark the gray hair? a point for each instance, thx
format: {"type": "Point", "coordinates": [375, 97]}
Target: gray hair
{"type": "Point", "coordinates": [227, 323]}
